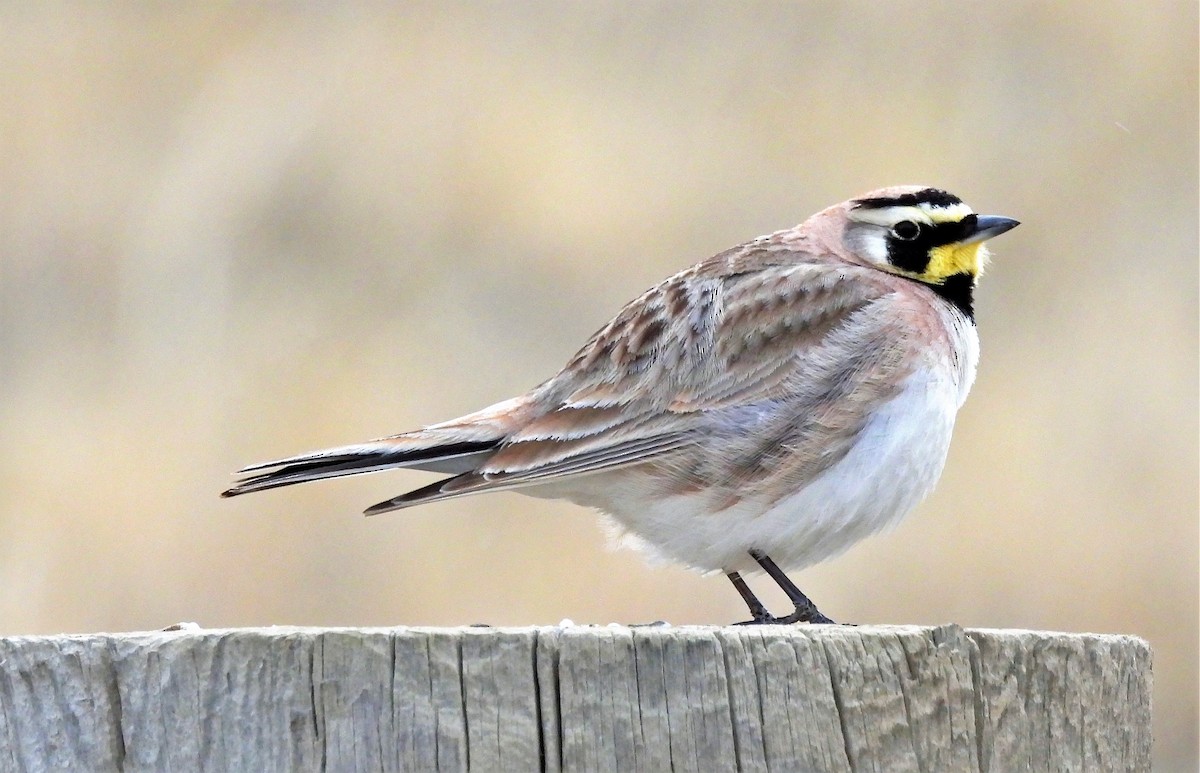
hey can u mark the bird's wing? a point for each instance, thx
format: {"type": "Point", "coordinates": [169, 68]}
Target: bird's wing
{"type": "Point", "coordinates": [695, 352]}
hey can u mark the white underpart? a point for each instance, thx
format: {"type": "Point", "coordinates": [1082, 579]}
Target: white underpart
{"type": "Point", "coordinates": [894, 465]}
{"type": "Point", "coordinates": [896, 462]}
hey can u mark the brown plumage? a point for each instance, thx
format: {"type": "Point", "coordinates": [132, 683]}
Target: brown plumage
{"type": "Point", "coordinates": [787, 396]}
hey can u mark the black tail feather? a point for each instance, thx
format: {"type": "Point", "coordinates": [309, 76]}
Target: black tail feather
{"type": "Point", "coordinates": [335, 464]}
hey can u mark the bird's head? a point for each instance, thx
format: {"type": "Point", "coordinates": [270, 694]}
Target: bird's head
{"type": "Point", "coordinates": [922, 233]}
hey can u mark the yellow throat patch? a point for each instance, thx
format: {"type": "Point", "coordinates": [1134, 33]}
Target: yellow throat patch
{"type": "Point", "coordinates": [951, 259]}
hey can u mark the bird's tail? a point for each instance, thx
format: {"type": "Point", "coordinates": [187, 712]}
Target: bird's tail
{"type": "Point", "coordinates": [453, 447]}
{"type": "Point", "coordinates": [359, 459]}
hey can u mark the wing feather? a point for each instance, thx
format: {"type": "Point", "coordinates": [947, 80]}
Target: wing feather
{"type": "Point", "coordinates": [477, 482]}
{"type": "Point", "coordinates": [772, 375]}
{"type": "Point", "coordinates": [689, 353]}
{"type": "Point", "coordinates": [762, 332]}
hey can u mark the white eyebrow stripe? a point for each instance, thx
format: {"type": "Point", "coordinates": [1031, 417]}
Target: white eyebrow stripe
{"type": "Point", "coordinates": [889, 216]}
{"type": "Point", "coordinates": [926, 214]}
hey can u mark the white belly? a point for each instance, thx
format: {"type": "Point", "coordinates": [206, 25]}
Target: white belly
{"type": "Point", "coordinates": [895, 463]}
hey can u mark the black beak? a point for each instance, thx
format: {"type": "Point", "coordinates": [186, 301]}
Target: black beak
{"type": "Point", "coordinates": [987, 226]}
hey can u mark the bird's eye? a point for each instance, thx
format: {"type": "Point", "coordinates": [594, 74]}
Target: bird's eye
{"type": "Point", "coordinates": [906, 230]}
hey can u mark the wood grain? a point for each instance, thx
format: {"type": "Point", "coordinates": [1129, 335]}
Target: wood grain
{"type": "Point", "coordinates": [576, 699]}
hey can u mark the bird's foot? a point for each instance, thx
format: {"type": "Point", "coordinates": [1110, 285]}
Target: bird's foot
{"type": "Point", "coordinates": [809, 615]}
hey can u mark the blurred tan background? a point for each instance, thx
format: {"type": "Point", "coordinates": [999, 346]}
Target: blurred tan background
{"type": "Point", "coordinates": [228, 235]}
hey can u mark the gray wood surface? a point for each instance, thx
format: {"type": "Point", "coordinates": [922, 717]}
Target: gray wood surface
{"type": "Point", "coordinates": [797, 698]}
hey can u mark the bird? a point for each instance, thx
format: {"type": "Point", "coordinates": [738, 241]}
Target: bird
{"type": "Point", "coordinates": [762, 410]}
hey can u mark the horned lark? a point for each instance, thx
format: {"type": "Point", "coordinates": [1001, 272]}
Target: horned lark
{"type": "Point", "coordinates": [765, 408]}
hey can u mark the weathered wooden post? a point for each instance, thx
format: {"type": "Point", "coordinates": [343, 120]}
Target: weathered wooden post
{"type": "Point", "coordinates": [797, 698]}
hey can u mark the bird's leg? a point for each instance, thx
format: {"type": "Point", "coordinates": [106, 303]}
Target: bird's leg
{"type": "Point", "coordinates": [806, 611]}
{"type": "Point", "coordinates": [757, 609]}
